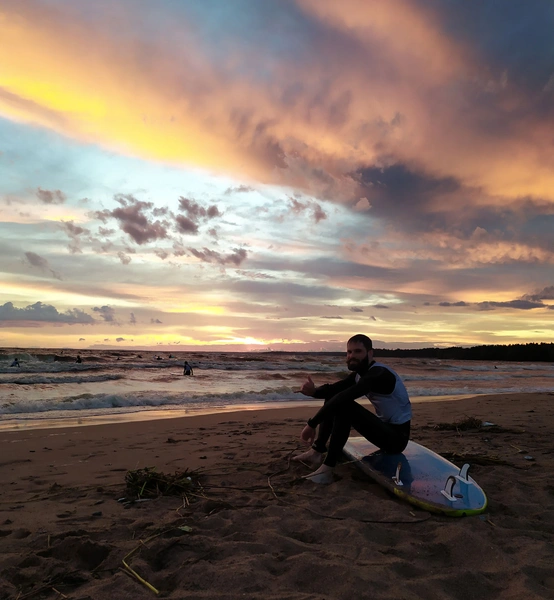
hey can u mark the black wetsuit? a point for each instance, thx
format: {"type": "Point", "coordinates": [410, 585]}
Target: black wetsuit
{"type": "Point", "coordinates": [340, 413]}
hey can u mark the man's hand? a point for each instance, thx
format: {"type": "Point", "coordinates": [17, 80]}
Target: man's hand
{"type": "Point", "coordinates": [308, 435]}
{"type": "Point", "coordinates": [308, 389]}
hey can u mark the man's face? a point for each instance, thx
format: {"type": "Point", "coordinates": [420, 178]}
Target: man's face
{"type": "Point", "coordinates": [357, 356]}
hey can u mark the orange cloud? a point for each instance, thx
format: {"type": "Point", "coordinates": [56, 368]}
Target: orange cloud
{"type": "Point", "coordinates": [383, 83]}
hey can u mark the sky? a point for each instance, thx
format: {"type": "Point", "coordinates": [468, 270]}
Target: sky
{"type": "Point", "coordinates": [238, 174]}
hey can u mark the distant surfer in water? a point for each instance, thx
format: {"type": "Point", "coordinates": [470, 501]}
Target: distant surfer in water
{"type": "Point", "coordinates": [389, 429]}
{"type": "Point", "coordinates": [187, 370]}
{"type": "Point", "coordinates": [78, 359]}
{"type": "Point", "coordinates": [15, 363]}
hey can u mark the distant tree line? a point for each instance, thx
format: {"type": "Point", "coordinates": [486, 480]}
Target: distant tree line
{"type": "Point", "coordinates": [520, 352]}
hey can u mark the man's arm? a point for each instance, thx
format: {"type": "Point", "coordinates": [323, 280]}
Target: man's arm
{"type": "Point", "coordinates": [328, 390]}
{"type": "Point", "coordinates": [378, 380]}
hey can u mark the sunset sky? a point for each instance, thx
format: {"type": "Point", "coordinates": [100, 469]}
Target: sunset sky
{"type": "Point", "coordinates": [276, 173]}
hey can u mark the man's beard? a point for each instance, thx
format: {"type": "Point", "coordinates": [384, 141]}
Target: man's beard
{"type": "Point", "coordinates": [359, 367]}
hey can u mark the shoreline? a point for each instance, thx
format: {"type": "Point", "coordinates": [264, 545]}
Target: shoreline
{"type": "Point", "coordinates": [19, 423]}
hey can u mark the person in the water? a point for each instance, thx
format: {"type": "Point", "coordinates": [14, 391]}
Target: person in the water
{"type": "Point", "coordinates": [388, 429]}
{"type": "Point", "coordinates": [187, 369]}
{"type": "Point", "coordinates": [15, 363]}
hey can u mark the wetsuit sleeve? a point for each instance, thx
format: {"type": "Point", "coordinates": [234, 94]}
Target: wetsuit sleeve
{"type": "Point", "coordinates": [378, 380]}
{"type": "Point", "coordinates": [332, 389]}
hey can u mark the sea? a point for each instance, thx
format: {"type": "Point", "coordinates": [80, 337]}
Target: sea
{"type": "Point", "coordinates": [51, 389]}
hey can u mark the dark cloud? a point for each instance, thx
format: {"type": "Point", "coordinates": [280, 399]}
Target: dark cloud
{"type": "Point", "coordinates": [35, 260]}
{"type": "Point", "coordinates": [461, 303]}
{"type": "Point", "coordinates": [125, 260]}
{"type": "Point", "coordinates": [133, 219]}
{"type": "Point", "coordinates": [512, 37]}
{"type": "Point", "coordinates": [379, 306]}
{"type": "Point", "coordinates": [195, 211]}
{"type": "Point", "coordinates": [44, 313]}
{"type": "Point", "coordinates": [356, 309]}
{"type": "Point", "coordinates": [51, 197]}
{"type": "Point", "coordinates": [517, 304]}
{"type": "Point", "coordinates": [397, 192]}
{"type": "Point", "coordinates": [156, 321]}
{"type": "Point", "coordinates": [186, 225]}
{"type": "Point", "coordinates": [336, 317]}
{"type": "Point", "coordinates": [119, 339]}
{"type": "Point", "coordinates": [106, 312]}
{"type": "Point", "coordinates": [72, 229]}
{"type": "Point", "coordinates": [546, 293]}
{"type": "Point", "coordinates": [132, 319]}
{"type": "Point", "coordinates": [241, 189]}
{"type": "Point", "coordinates": [82, 340]}
{"type": "Point", "coordinates": [161, 253]}
{"type": "Point", "coordinates": [297, 207]}
{"type": "Point", "coordinates": [210, 256]}
{"type": "Point", "coordinates": [74, 232]}
{"type": "Point", "coordinates": [318, 213]}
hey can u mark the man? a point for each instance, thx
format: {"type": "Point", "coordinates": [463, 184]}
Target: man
{"type": "Point", "coordinates": [187, 370]}
{"type": "Point", "coordinates": [389, 429]}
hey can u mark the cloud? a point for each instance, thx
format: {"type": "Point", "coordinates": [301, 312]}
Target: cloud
{"type": "Point", "coordinates": [51, 197]}
{"type": "Point", "coordinates": [461, 303]}
{"type": "Point", "coordinates": [546, 293]}
{"type": "Point", "coordinates": [35, 260]}
{"type": "Point", "coordinates": [106, 312]}
{"type": "Point", "coordinates": [297, 208]}
{"type": "Point", "coordinates": [43, 313]}
{"type": "Point", "coordinates": [241, 189]}
{"type": "Point", "coordinates": [186, 225]}
{"type": "Point", "coordinates": [82, 339]}
{"type": "Point", "coordinates": [161, 253]}
{"type": "Point", "coordinates": [133, 219]}
{"type": "Point", "coordinates": [74, 232]}
{"type": "Point", "coordinates": [132, 319]}
{"type": "Point", "coordinates": [123, 258]}
{"type": "Point", "coordinates": [355, 309]}
{"type": "Point", "coordinates": [517, 304]}
{"type": "Point", "coordinates": [195, 213]}
{"type": "Point", "coordinates": [337, 90]}
{"type": "Point", "coordinates": [157, 321]}
{"type": "Point", "coordinates": [211, 256]}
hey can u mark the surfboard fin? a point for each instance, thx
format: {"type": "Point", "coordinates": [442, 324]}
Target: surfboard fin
{"type": "Point", "coordinates": [396, 478]}
{"type": "Point", "coordinates": [461, 477]}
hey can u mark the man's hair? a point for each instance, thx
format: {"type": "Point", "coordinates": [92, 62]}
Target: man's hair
{"type": "Point", "coordinates": [360, 338]}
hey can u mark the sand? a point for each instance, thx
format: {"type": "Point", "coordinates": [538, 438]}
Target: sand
{"type": "Point", "coordinates": [255, 529]}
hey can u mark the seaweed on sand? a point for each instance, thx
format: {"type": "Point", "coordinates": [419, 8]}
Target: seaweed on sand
{"type": "Point", "coordinates": [461, 425]}
{"type": "Point", "coordinates": [149, 483]}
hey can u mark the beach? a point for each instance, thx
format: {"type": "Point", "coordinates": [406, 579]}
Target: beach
{"type": "Point", "coordinates": [250, 527]}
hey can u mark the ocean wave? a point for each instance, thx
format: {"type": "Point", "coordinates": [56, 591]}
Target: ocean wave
{"type": "Point", "coordinates": [41, 379]}
{"type": "Point", "coordinates": [145, 399]}
{"type": "Point", "coordinates": [492, 377]}
{"type": "Point", "coordinates": [476, 390]}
